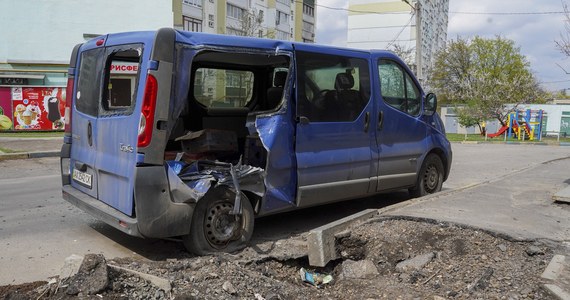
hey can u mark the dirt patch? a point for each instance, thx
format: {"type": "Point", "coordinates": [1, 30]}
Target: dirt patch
{"type": "Point", "coordinates": [443, 261]}
{"type": "Point", "coordinates": [20, 291]}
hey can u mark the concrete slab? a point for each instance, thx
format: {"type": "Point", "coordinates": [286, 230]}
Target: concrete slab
{"type": "Point", "coordinates": [321, 241]}
{"type": "Point", "coordinates": [563, 195]}
{"type": "Point", "coordinates": [557, 292]}
{"type": "Point", "coordinates": [557, 275]}
{"type": "Point", "coordinates": [554, 268]}
{"type": "Point", "coordinates": [517, 205]}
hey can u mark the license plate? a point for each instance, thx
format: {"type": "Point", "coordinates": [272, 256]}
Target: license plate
{"type": "Point", "coordinates": [82, 177]}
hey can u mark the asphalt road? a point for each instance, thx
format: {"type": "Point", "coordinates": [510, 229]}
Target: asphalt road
{"type": "Point", "coordinates": [38, 229]}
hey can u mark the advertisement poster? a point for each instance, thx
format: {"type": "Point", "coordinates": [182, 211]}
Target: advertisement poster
{"type": "Point", "coordinates": [6, 121]}
{"type": "Point", "coordinates": [38, 108]}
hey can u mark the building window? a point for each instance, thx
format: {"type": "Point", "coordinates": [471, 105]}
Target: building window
{"type": "Point", "coordinates": [234, 11]}
{"type": "Point", "coordinates": [281, 18]}
{"type": "Point", "coordinates": [308, 10]}
{"type": "Point", "coordinates": [286, 2]}
{"type": "Point", "coordinates": [196, 3]}
{"type": "Point", "coordinates": [191, 24]}
{"type": "Point", "coordinates": [308, 27]}
{"type": "Point", "coordinates": [282, 35]}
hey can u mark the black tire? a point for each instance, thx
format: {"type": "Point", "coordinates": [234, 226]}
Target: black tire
{"type": "Point", "coordinates": [430, 178]}
{"type": "Point", "coordinates": [214, 229]}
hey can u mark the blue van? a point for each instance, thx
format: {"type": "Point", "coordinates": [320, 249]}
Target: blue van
{"type": "Point", "coordinates": [173, 133]}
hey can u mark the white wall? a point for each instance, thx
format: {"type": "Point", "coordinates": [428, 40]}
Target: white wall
{"type": "Point", "coordinates": [552, 112]}
{"type": "Point", "coordinates": [47, 30]}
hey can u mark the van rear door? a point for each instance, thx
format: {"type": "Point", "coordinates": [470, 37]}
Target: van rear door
{"type": "Point", "coordinates": [105, 122]}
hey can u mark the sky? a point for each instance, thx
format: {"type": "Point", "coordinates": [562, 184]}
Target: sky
{"type": "Point", "coordinates": [535, 34]}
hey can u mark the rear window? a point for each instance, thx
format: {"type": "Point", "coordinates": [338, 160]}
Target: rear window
{"type": "Point", "coordinates": [223, 87]}
{"type": "Point", "coordinates": [107, 80]}
{"type": "Point", "coordinates": [121, 78]}
{"type": "Point", "coordinates": [89, 81]}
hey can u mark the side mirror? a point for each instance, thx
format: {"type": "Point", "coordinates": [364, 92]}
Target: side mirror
{"type": "Point", "coordinates": [430, 104]}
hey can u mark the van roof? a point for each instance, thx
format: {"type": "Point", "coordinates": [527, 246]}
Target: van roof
{"type": "Point", "coordinates": [200, 38]}
{"type": "Point", "coordinates": [219, 40]}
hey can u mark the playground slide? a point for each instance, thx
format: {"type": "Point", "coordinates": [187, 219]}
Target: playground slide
{"type": "Point", "coordinates": [501, 131]}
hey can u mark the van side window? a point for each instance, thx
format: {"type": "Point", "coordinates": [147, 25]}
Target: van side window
{"type": "Point", "coordinates": [398, 89]}
{"type": "Point", "coordinates": [223, 87]}
{"type": "Point", "coordinates": [121, 79]}
{"type": "Point", "coordinates": [331, 88]}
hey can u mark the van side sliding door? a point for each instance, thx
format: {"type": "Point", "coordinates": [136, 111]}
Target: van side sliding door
{"type": "Point", "coordinates": [334, 138]}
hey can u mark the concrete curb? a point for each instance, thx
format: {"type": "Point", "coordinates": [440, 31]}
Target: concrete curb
{"type": "Point", "coordinates": [321, 241]}
{"type": "Point", "coordinates": [563, 195]}
{"type": "Point", "coordinates": [552, 273]}
{"type": "Point", "coordinates": [26, 155]}
{"type": "Point", "coordinates": [556, 291]}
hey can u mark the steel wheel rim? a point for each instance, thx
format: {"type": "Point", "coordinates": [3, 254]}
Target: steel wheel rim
{"type": "Point", "coordinates": [431, 178]}
{"type": "Point", "coordinates": [220, 226]}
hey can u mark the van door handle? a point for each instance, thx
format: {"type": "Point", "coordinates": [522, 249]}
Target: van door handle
{"type": "Point", "coordinates": [366, 121]}
{"type": "Point", "coordinates": [380, 120]}
{"type": "Point", "coordinates": [303, 120]}
{"type": "Point", "coordinates": [89, 134]}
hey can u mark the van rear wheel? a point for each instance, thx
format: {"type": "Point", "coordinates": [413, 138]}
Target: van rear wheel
{"type": "Point", "coordinates": [214, 228]}
{"type": "Point", "coordinates": [430, 178]}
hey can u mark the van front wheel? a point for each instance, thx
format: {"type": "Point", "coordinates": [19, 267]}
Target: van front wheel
{"type": "Point", "coordinates": [214, 228]}
{"type": "Point", "coordinates": [430, 178]}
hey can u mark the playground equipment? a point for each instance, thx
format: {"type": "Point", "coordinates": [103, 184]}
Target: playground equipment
{"type": "Point", "coordinates": [522, 125]}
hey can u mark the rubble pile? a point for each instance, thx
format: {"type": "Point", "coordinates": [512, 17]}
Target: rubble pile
{"type": "Point", "coordinates": [384, 259]}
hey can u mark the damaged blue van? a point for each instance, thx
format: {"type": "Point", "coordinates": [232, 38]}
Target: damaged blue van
{"type": "Point", "coordinates": [173, 133]}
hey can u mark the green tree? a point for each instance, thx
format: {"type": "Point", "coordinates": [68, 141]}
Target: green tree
{"type": "Point", "coordinates": [481, 76]}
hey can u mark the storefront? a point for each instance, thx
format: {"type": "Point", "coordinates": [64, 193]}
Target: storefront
{"type": "Point", "coordinates": [32, 108]}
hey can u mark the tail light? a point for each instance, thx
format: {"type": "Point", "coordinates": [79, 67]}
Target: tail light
{"type": "Point", "coordinates": [68, 99]}
{"type": "Point", "coordinates": [147, 113]}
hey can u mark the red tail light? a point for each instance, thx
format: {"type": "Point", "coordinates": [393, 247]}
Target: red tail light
{"type": "Point", "coordinates": [146, 123]}
{"type": "Point", "coordinates": [68, 99]}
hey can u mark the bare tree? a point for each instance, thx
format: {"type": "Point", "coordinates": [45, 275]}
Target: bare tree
{"type": "Point", "coordinates": [564, 43]}
{"type": "Point", "coordinates": [406, 53]}
{"type": "Point", "coordinates": [250, 24]}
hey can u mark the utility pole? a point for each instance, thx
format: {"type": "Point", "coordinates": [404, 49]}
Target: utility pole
{"type": "Point", "coordinates": [417, 10]}
{"type": "Point", "coordinates": [419, 70]}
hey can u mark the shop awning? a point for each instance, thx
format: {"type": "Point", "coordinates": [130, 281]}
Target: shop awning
{"type": "Point", "coordinates": [27, 76]}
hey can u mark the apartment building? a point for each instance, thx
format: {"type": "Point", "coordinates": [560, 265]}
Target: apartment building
{"type": "Point", "coordinates": [288, 20]}
{"type": "Point", "coordinates": [405, 24]}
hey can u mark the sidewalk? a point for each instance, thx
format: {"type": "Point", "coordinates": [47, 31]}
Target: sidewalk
{"type": "Point", "coordinates": [518, 206]}
{"type": "Point", "coordinates": [21, 148]}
